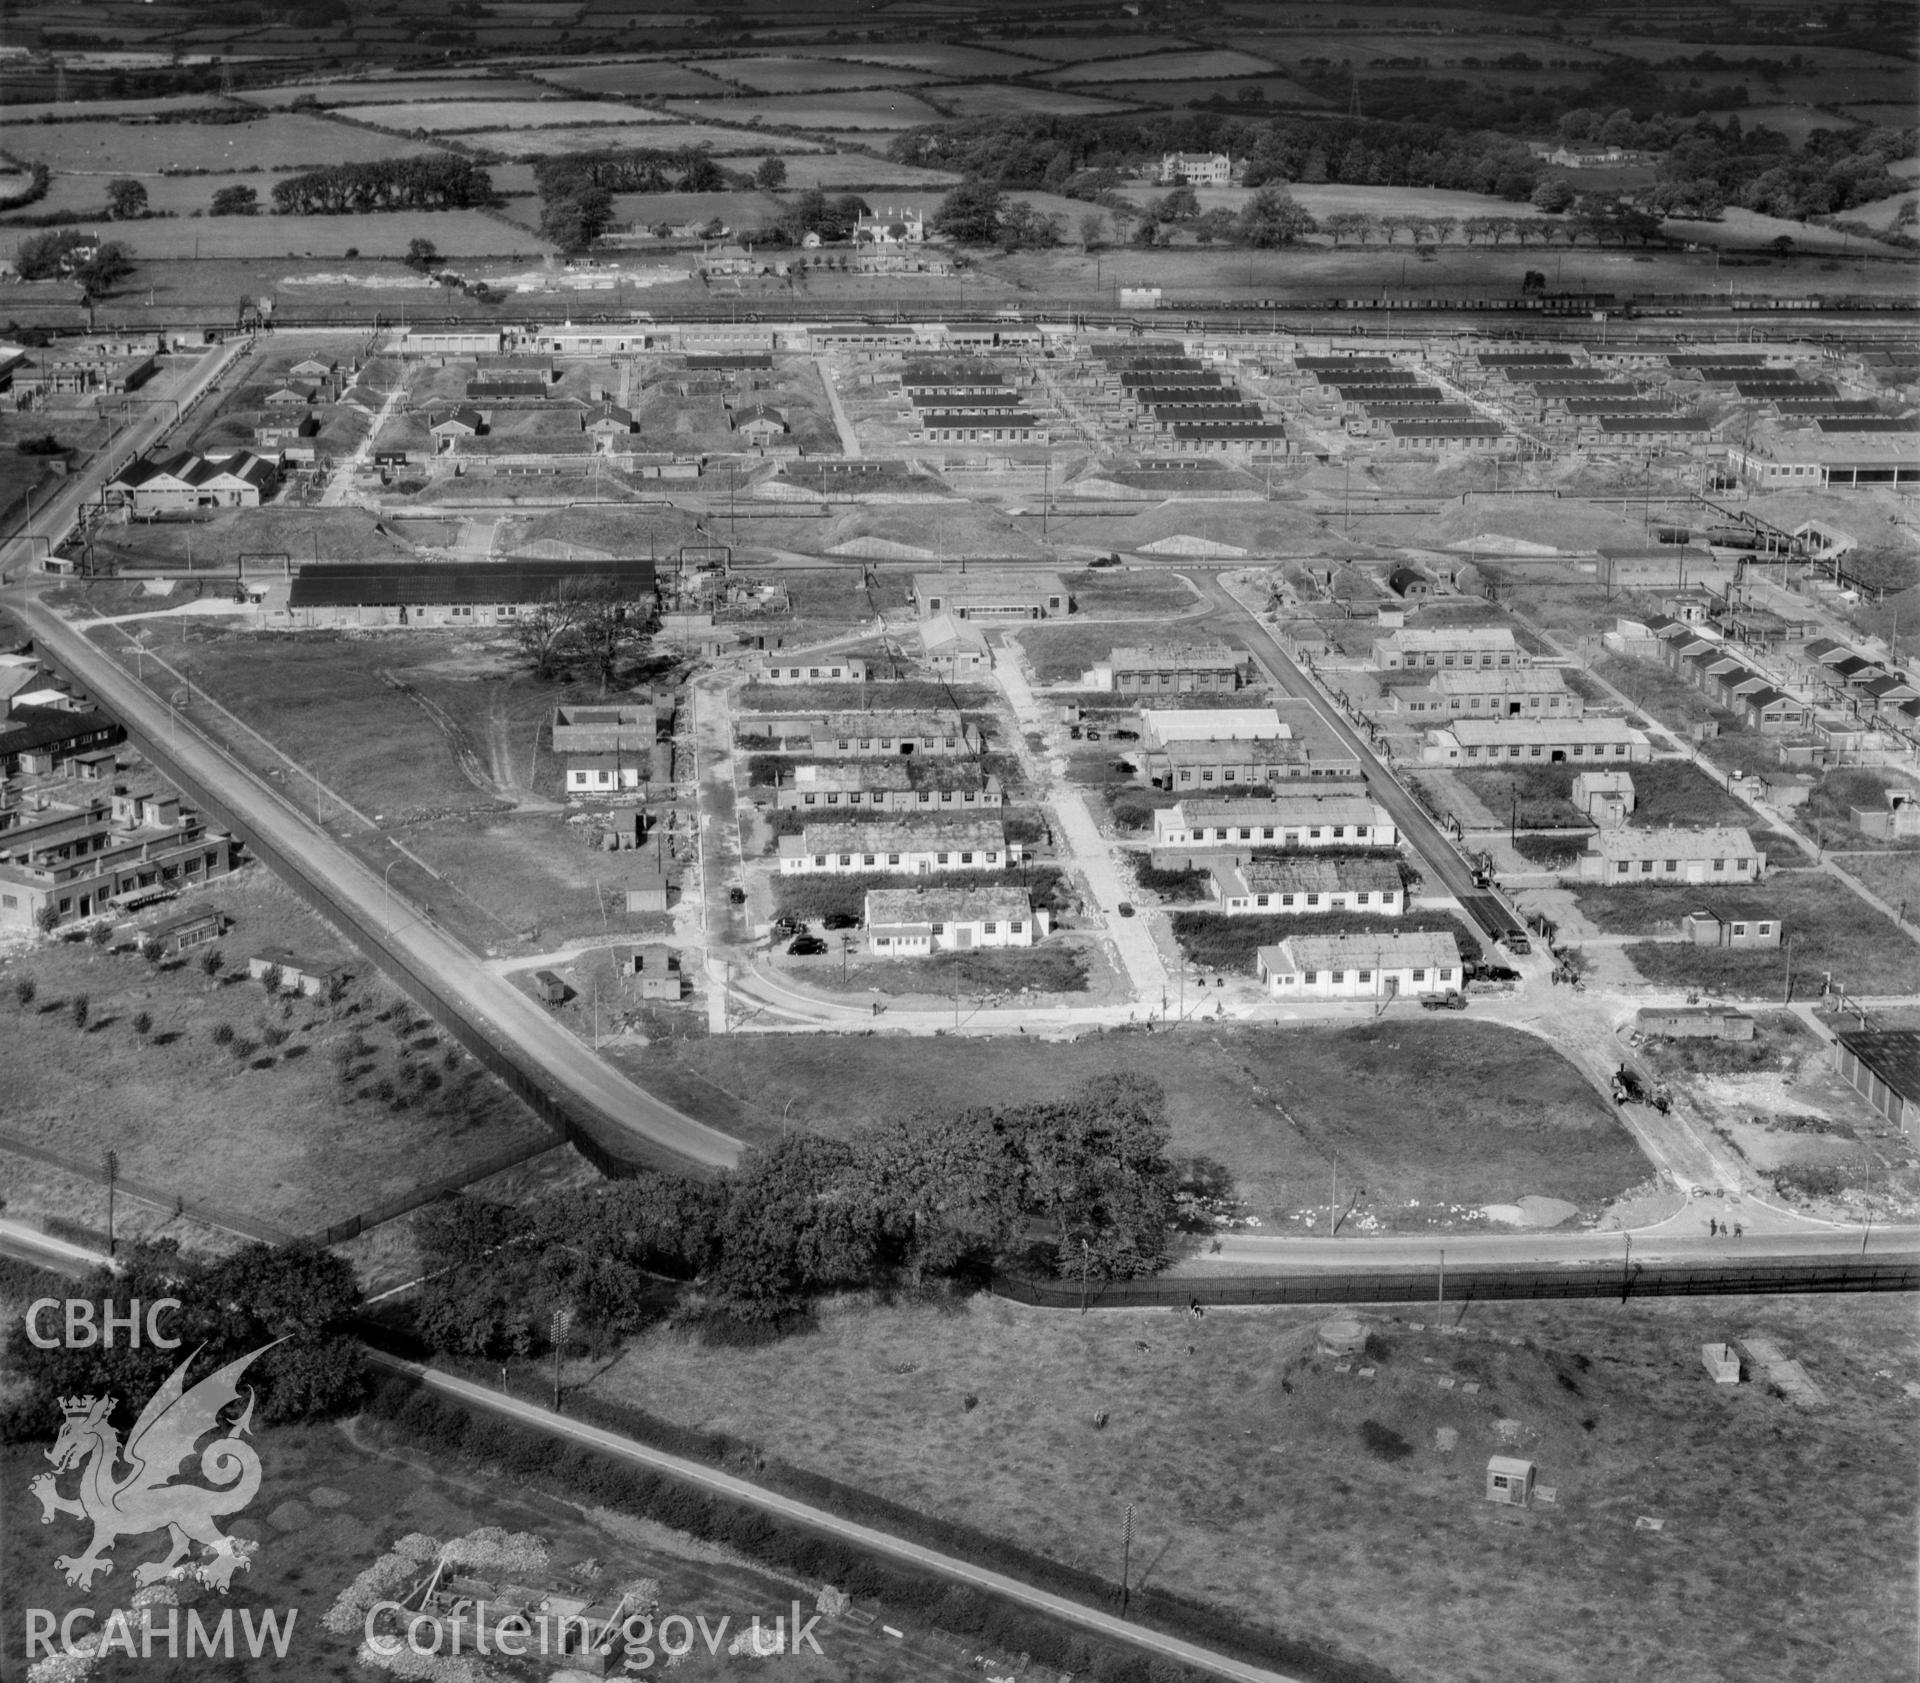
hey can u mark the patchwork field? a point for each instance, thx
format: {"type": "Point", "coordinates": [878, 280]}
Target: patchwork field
{"type": "Point", "coordinates": [807, 75]}
{"type": "Point", "coordinates": [456, 233]}
{"type": "Point", "coordinates": [666, 136]}
{"type": "Point", "coordinates": [880, 109]}
{"type": "Point", "coordinates": [643, 79]}
{"type": "Point", "coordinates": [1171, 66]}
{"type": "Point", "coordinates": [1253, 1462]}
{"type": "Point", "coordinates": [1071, 49]}
{"type": "Point", "coordinates": [1001, 99]}
{"type": "Point", "coordinates": [450, 115]}
{"type": "Point", "coordinates": [284, 141]}
{"type": "Point", "coordinates": [392, 91]}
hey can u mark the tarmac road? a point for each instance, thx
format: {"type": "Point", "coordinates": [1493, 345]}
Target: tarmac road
{"type": "Point", "coordinates": [1425, 836]}
{"type": "Point", "coordinates": [653, 1132]}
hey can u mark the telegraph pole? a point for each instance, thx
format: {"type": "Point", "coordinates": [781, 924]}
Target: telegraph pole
{"type": "Point", "coordinates": [1126, 1562]}
{"type": "Point", "coordinates": [111, 1163]}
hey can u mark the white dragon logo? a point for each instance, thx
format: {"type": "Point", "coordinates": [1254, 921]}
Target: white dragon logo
{"type": "Point", "coordinates": [145, 1498]}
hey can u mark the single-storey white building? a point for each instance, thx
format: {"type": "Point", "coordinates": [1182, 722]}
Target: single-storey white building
{"type": "Point", "coordinates": [1630, 857]}
{"type": "Point", "coordinates": [1361, 966]}
{"type": "Point", "coordinates": [1282, 820]}
{"type": "Point", "coordinates": [605, 774]}
{"type": "Point", "coordinates": [1256, 887]}
{"type": "Point", "coordinates": [1445, 646]}
{"type": "Point", "coordinates": [912, 922]}
{"type": "Point", "coordinates": [1161, 725]}
{"type": "Point", "coordinates": [1529, 692]}
{"type": "Point", "coordinates": [957, 844]}
{"type": "Point", "coordinates": [1470, 742]}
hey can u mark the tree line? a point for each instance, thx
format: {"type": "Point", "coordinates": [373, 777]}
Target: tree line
{"type": "Point", "coordinates": [229, 1306]}
{"type": "Point", "coordinates": [1080, 1186]}
{"type": "Point", "coordinates": [1703, 164]}
{"type": "Point", "coordinates": [441, 181]}
{"type": "Point", "coordinates": [577, 188]}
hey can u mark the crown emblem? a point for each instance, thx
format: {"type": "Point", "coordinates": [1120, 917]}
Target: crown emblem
{"type": "Point", "coordinates": [76, 1408]}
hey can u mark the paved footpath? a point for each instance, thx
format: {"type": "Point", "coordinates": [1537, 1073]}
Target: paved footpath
{"type": "Point", "coordinates": [1082, 847]}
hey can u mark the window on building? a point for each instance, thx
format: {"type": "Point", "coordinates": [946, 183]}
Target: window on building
{"type": "Point", "coordinates": [1719, 864]}
{"type": "Point", "coordinates": [1363, 975]}
{"type": "Point", "coordinates": [883, 940]}
{"type": "Point", "coordinates": [1310, 976]}
{"type": "Point", "coordinates": [939, 929]}
{"type": "Point", "coordinates": [1016, 929]}
{"type": "Point", "coordinates": [1336, 977]}
{"type": "Point", "coordinates": [1419, 975]}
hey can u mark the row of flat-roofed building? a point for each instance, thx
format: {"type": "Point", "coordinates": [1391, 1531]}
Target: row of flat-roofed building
{"type": "Point", "coordinates": [1595, 407]}
{"type": "Point", "coordinates": [1398, 407]}
{"type": "Point", "coordinates": [968, 403]}
{"type": "Point", "coordinates": [1185, 405]}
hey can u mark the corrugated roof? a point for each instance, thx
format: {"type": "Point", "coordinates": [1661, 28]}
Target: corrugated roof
{"type": "Point", "coordinates": [894, 908]}
{"type": "Point", "coordinates": [1892, 1054]}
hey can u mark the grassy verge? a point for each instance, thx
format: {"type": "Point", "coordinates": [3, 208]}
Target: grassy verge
{"type": "Point", "coordinates": [1425, 1115]}
{"type": "Point", "coordinates": [1124, 592]}
{"type": "Point", "coordinates": [1832, 929]}
{"type": "Point", "coordinates": [1387, 1534]}
{"type": "Point", "coordinates": [1553, 852]}
{"type": "Point", "coordinates": [1666, 792]}
{"type": "Point", "coordinates": [1218, 942]}
{"type": "Point", "coordinates": [906, 695]}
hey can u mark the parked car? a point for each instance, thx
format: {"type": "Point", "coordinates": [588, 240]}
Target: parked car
{"type": "Point", "coordinates": [840, 920]}
{"type": "Point", "coordinates": [1452, 1000]}
{"type": "Point", "coordinates": [806, 946]}
{"type": "Point", "coordinates": [1517, 943]}
{"type": "Point", "coordinates": [736, 896]}
{"type": "Point", "coordinates": [1126, 908]}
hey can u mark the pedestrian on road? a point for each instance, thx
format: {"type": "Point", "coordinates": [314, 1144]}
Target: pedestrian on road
{"type": "Point", "coordinates": [1738, 1230]}
{"type": "Point", "coordinates": [1713, 1229]}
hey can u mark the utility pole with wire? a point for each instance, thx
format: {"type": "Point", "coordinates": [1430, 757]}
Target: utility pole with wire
{"type": "Point", "coordinates": [111, 1164]}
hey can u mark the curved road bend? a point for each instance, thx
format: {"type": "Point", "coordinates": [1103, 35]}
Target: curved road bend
{"type": "Point", "coordinates": [507, 1018]}
{"type": "Point", "coordinates": [881, 1543]}
{"type": "Point", "coordinates": [1427, 837]}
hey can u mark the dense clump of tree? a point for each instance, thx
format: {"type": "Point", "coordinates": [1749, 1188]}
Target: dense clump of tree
{"type": "Point", "coordinates": [577, 188]}
{"type": "Point", "coordinates": [585, 620]}
{"type": "Point", "coordinates": [97, 265]}
{"type": "Point", "coordinates": [436, 182]}
{"type": "Point", "coordinates": [1081, 1184]}
{"type": "Point", "coordinates": [235, 201]}
{"type": "Point", "coordinates": [1704, 162]}
{"type": "Point", "coordinates": [299, 1294]}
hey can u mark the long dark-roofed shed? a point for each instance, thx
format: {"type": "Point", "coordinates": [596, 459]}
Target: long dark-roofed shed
{"type": "Point", "coordinates": [432, 584]}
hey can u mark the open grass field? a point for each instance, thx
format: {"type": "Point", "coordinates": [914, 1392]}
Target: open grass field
{"type": "Point", "coordinates": [808, 75]}
{"type": "Point", "coordinates": [456, 233]}
{"type": "Point", "coordinates": [447, 116]}
{"type": "Point", "coordinates": [837, 171]}
{"type": "Point", "coordinates": [287, 140]}
{"type": "Point", "coordinates": [333, 1498]}
{"type": "Point", "coordinates": [332, 703]}
{"type": "Point", "coordinates": [1120, 593]}
{"type": "Point", "coordinates": [261, 1123]}
{"type": "Point", "coordinates": [1666, 792]}
{"type": "Point", "coordinates": [1364, 1497]}
{"type": "Point", "coordinates": [638, 78]}
{"type": "Point", "coordinates": [1003, 99]}
{"type": "Point", "coordinates": [667, 136]}
{"type": "Point", "coordinates": [388, 90]}
{"type": "Point", "coordinates": [851, 110]}
{"type": "Point", "coordinates": [1426, 1116]}
{"type": "Point", "coordinates": [1832, 929]}
{"type": "Point", "coordinates": [1071, 49]}
{"type": "Point", "coordinates": [943, 58]}
{"type": "Point", "coordinates": [1211, 64]}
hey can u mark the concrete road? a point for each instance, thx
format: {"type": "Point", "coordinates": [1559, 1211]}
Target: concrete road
{"type": "Point", "coordinates": [508, 1018]}
{"type": "Point", "coordinates": [881, 1543]}
{"type": "Point", "coordinates": [1682, 1237]}
{"type": "Point", "coordinates": [1081, 846]}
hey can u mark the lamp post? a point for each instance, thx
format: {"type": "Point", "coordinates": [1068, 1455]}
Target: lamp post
{"type": "Point", "coordinates": [557, 1326]}
{"type": "Point", "coordinates": [110, 1162]}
